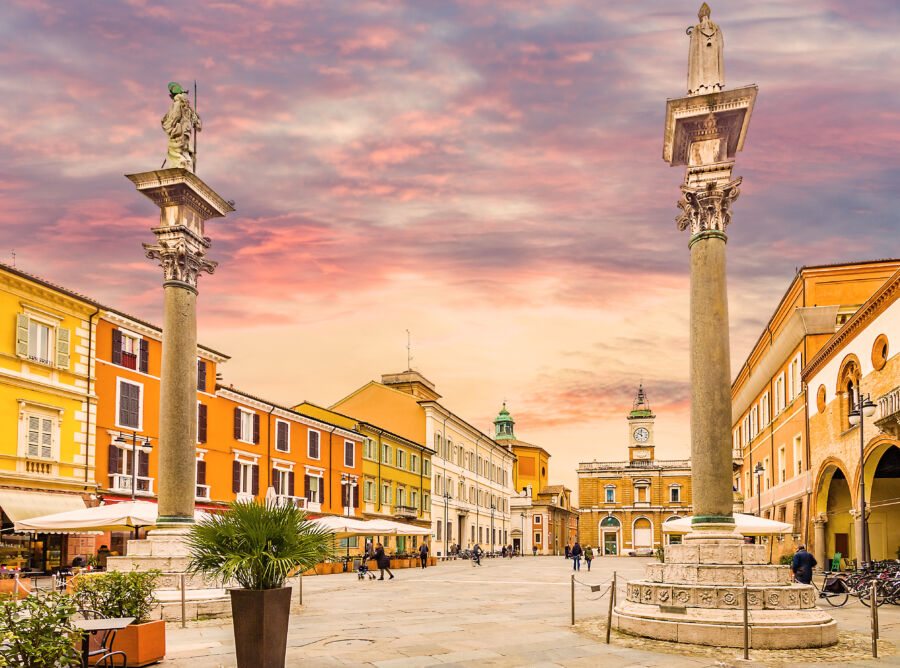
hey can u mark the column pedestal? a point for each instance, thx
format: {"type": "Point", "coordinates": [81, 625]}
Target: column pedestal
{"type": "Point", "coordinates": [819, 541]}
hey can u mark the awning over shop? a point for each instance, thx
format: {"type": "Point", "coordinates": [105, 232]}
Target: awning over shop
{"type": "Point", "coordinates": [110, 517]}
{"type": "Point", "coordinates": [354, 527]}
{"type": "Point", "coordinates": [22, 505]}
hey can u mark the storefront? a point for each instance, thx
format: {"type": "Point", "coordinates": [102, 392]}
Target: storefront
{"type": "Point", "coordinates": [35, 551]}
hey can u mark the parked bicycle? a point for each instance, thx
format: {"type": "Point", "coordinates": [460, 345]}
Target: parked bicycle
{"type": "Point", "coordinates": [834, 590]}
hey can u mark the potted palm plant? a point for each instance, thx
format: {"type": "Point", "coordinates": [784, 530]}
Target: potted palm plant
{"type": "Point", "coordinates": [257, 546]}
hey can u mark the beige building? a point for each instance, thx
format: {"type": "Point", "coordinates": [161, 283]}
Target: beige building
{"type": "Point", "coordinates": [773, 473]}
{"type": "Point", "coordinates": [624, 503]}
{"type": "Point", "coordinates": [859, 361]}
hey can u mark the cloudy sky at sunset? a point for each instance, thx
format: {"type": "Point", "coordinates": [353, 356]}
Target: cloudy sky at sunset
{"type": "Point", "coordinates": [486, 174]}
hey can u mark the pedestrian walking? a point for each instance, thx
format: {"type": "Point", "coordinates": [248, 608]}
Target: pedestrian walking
{"type": "Point", "coordinates": [510, 552]}
{"type": "Point", "coordinates": [534, 550]}
{"type": "Point", "coordinates": [802, 565]}
{"type": "Point", "coordinates": [588, 556]}
{"type": "Point", "coordinates": [568, 551]}
{"type": "Point", "coordinates": [576, 556]}
{"type": "Point", "coordinates": [423, 554]}
{"type": "Point", "coordinates": [383, 561]}
{"type": "Point", "coordinates": [503, 552]}
{"type": "Point", "coordinates": [476, 555]}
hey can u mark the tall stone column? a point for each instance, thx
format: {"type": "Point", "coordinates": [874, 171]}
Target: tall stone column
{"type": "Point", "coordinates": [857, 535]}
{"type": "Point", "coordinates": [819, 540]}
{"type": "Point", "coordinates": [185, 203]}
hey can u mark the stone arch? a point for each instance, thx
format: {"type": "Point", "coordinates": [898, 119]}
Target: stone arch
{"type": "Point", "coordinates": [827, 469]}
{"type": "Point", "coordinates": [832, 511]}
{"type": "Point", "coordinates": [882, 480]}
{"type": "Point", "coordinates": [847, 388]}
{"type": "Point", "coordinates": [644, 525]}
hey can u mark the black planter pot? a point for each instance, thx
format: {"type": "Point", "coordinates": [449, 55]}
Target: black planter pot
{"type": "Point", "coordinates": [260, 626]}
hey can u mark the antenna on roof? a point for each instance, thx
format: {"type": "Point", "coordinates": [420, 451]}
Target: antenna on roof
{"type": "Point", "coordinates": [408, 351]}
{"type": "Point", "coordinates": [13, 253]}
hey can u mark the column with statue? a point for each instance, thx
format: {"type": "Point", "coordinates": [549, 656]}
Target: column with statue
{"type": "Point", "coordinates": [185, 204]}
{"type": "Point", "coordinates": [697, 594]}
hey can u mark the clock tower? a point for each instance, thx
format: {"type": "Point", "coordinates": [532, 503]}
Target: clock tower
{"type": "Point", "coordinates": [640, 429]}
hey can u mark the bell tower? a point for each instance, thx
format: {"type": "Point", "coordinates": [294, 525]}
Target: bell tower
{"type": "Point", "coordinates": [640, 428]}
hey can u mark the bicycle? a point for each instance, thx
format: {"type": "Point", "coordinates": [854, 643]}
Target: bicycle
{"type": "Point", "coordinates": [834, 590]}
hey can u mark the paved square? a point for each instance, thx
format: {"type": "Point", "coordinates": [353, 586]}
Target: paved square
{"type": "Point", "coordinates": [504, 613]}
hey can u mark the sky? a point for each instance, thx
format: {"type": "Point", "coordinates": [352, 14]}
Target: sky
{"type": "Point", "coordinates": [484, 174]}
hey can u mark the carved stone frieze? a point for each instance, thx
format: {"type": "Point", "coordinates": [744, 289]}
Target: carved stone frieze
{"type": "Point", "coordinates": [707, 208]}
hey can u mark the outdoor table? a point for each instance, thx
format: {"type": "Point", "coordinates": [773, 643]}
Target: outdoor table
{"type": "Point", "coordinates": [94, 625]}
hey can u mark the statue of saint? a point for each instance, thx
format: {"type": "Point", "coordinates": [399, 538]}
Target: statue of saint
{"type": "Point", "coordinates": [179, 123]}
{"type": "Point", "coordinates": [706, 68]}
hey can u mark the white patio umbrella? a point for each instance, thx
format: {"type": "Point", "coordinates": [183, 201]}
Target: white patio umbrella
{"type": "Point", "coordinates": [342, 525]}
{"type": "Point", "coordinates": [108, 517]}
{"type": "Point", "coordinates": [387, 527]}
{"type": "Point", "coordinates": [748, 525]}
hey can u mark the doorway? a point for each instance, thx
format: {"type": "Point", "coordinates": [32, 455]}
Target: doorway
{"type": "Point", "coordinates": [610, 543]}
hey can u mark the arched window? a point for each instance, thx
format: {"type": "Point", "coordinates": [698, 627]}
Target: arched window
{"type": "Point", "coordinates": [610, 522]}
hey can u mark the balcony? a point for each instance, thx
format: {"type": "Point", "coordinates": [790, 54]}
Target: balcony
{"type": "Point", "coordinates": [405, 511]}
{"type": "Point", "coordinates": [737, 458]}
{"type": "Point", "coordinates": [889, 413]}
{"type": "Point", "coordinates": [285, 500]}
{"type": "Point", "coordinates": [39, 467]}
{"type": "Point", "coordinates": [121, 482]}
{"type": "Point", "coordinates": [202, 492]}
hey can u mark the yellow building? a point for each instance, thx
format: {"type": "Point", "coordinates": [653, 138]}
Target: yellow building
{"type": "Point", "coordinates": [624, 503]}
{"type": "Point", "coordinates": [396, 477]}
{"type": "Point", "coordinates": [47, 410]}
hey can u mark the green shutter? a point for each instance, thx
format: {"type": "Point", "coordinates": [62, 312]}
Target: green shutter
{"type": "Point", "coordinates": [21, 335]}
{"type": "Point", "coordinates": [62, 348]}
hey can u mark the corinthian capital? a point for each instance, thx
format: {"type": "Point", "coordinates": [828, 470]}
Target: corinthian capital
{"type": "Point", "coordinates": [707, 207]}
{"type": "Point", "coordinates": [181, 260]}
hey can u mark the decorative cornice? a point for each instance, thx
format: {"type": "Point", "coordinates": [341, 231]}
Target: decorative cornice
{"type": "Point", "coordinates": [886, 295]}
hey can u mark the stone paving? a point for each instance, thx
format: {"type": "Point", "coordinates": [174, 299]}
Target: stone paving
{"type": "Point", "coordinates": [505, 613]}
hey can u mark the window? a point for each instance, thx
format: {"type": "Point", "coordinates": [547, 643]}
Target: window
{"type": "Point", "coordinates": [38, 342]}
{"type": "Point", "coordinates": [282, 436]}
{"type": "Point", "coordinates": [283, 482]}
{"type": "Point", "coordinates": [202, 491]}
{"type": "Point", "coordinates": [386, 494]}
{"type": "Point", "coordinates": [246, 425]}
{"type": "Point", "coordinates": [349, 541]}
{"type": "Point", "coordinates": [401, 496]}
{"type": "Point", "coordinates": [754, 421]}
{"type": "Point", "coordinates": [130, 350]}
{"type": "Point", "coordinates": [426, 467]}
{"type": "Point", "coordinates": [675, 494]}
{"type": "Point", "coordinates": [40, 436]}
{"type": "Point", "coordinates": [782, 473]}
{"type": "Point", "coordinates": [245, 478]}
{"type": "Point", "coordinates": [315, 489]}
{"type": "Point", "coordinates": [610, 494]}
{"type": "Point", "coordinates": [121, 463]}
{"type": "Point", "coordinates": [401, 459]}
{"type": "Point", "coordinates": [128, 411]}
{"type": "Point", "coordinates": [745, 431]}
{"type": "Point", "coordinates": [426, 503]}
{"type": "Point", "coordinates": [767, 479]}
{"type": "Point", "coordinates": [438, 536]}
{"type": "Point", "coordinates": [795, 375]}
{"type": "Point", "coordinates": [370, 449]}
{"type": "Point", "coordinates": [764, 408]}
{"type": "Point", "coordinates": [747, 484]}
{"type": "Point", "coordinates": [537, 538]}
{"type": "Point", "coordinates": [537, 519]}
{"type": "Point", "coordinates": [779, 393]}
{"type": "Point", "coordinates": [369, 491]}
{"type": "Point", "coordinates": [414, 499]}
{"type": "Point", "coordinates": [385, 453]}
{"type": "Point", "coordinates": [349, 454]}
{"type": "Point", "coordinates": [201, 375]}
{"type": "Point", "coordinates": [202, 410]}
{"type": "Point", "coordinates": [312, 444]}
{"type": "Point", "coordinates": [798, 453]}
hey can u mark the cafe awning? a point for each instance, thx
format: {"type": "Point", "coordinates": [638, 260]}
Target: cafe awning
{"type": "Point", "coordinates": [108, 517]}
{"type": "Point", "coordinates": [21, 505]}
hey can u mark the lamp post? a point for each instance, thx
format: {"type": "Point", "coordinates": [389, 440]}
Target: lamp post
{"type": "Point", "coordinates": [446, 519]}
{"type": "Point", "coordinates": [522, 541]}
{"type": "Point", "coordinates": [145, 447]}
{"type": "Point", "coordinates": [759, 470]}
{"type": "Point", "coordinates": [493, 508]}
{"type": "Point", "coordinates": [865, 408]}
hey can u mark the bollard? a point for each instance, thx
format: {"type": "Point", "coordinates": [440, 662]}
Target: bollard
{"type": "Point", "coordinates": [573, 599]}
{"type": "Point", "coordinates": [874, 607]}
{"type": "Point", "coordinates": [182, 601]}
{"type": "Point", "coordinates": [16, 587]}
{"type": "Point", "coordinates": [746, 626]}
{"type": "Point", "coordinates": [612, 599]}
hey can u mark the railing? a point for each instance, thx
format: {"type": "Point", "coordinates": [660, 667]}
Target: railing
{"type": "Point", "coordinates": [284, 500]}
{"type": "Point", "coordinates": [889, 412]}
{"type": "Point", "coordinates": [588, 467]}
{"type": "Point", "coordinates": [39, 468]}
{"type": "Point", "coordinates": [202, 492]}
{"type": "Point", "coordinates": [121, 482]}
{"type": "Point", "coordinates": [405, 511]}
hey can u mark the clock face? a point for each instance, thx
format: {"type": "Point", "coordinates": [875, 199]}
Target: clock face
{"type": "Point", "coordinates": [641, 434]}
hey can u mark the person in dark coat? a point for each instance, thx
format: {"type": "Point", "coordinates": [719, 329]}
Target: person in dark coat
{"type": "Point", "coordinates": [802, 565]}
{"type": "Point", "coordinates": [383, 561]}
{"type": "Point", "coordinates": [568, 551]}
{"type": "Point", "coordinates": [423, 554]}
{"type": "Point", "coordinates": [576, 556]}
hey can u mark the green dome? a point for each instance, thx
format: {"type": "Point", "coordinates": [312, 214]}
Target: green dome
{"type": "Point", "coordinates": [503, 425]}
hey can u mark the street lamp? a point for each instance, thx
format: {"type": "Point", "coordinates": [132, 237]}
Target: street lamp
{"type": "Point", "coordinates": [446, 519]}
{"type": "Point", "coordinates": [759, 470]}
{"type": "Point", "coordinates": [522, 540]}
{"type": "Point", "coordinates": [865, 408]}
{"type": "Point", "coordinates": [145, 447]}
{"type": "Point", "coordinates": [493, 508]}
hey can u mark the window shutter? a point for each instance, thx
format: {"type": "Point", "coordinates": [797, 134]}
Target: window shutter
{"type": "Point", "coordinates": [62, 348]}
{"type": "Point", "coordinates": [201, 472]}
{"type": "Point", "coordinates": [291, 483]}
{"type": "Point", "coordinates": [201, 422]}
{"type": "Point", "coordinates": [201, 375]}
{"type": "Point", "coordinates": [322, 487]}
{"type": "Point", "coordinates": [21, 335]}
{"type": "Point", "coordinates": [356, 497]}
{"type": "Point", "coordinates": [255, 472]}
{"type": "Point", "coordinates": [113, 458]}
{"type": "Point", "coordinates": [145, 356]}
{"type": "Point", "coordinates": [276, 483]}
{"type": "Point", "coordinates": [344, 503]}
{"type": "Point", "coordinates": [306, 486]}
{"type": "Point", "coordinates": [256, 427]}
{"type": "Point", "coordinates": [281, 437]}
{"type": "Point", "coordinates": [236, 476]}
{"type": "Point", "coordinates": [143, 464]}
{"type": "Point", "coordinates": [116, 347]}
{"type": "Point", "coordinates": [237, 423]}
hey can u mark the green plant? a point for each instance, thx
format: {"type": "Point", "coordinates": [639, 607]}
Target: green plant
{"type": "Point", "coordinates": [37, 632]}
{"type": "Point", "coordinates": [117, 594]}
{"type": "Point", "coordinates": [786, 559]}
{"type": "Point", "coordinates": [257, 545]}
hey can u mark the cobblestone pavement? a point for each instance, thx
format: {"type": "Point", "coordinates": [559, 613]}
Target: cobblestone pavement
{"type": "Point", "coordinates": [505, 613]}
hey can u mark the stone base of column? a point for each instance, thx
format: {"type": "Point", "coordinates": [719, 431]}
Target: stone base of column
{"type": "Point", "coordinates": [165, 550]}
{"type": "Point", "coordinates": [697, 597]}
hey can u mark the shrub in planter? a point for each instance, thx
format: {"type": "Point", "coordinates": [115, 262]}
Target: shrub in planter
{"type": "Point", "coordinates": [117, 594]}
{"type": "Point", "coordinates": [257, 546]}
{"type": "Point", "coordinates": [37, 631]}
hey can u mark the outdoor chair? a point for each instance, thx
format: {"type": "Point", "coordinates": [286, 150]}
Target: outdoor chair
{"type": "Point", "coordinates": [103, 655]}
